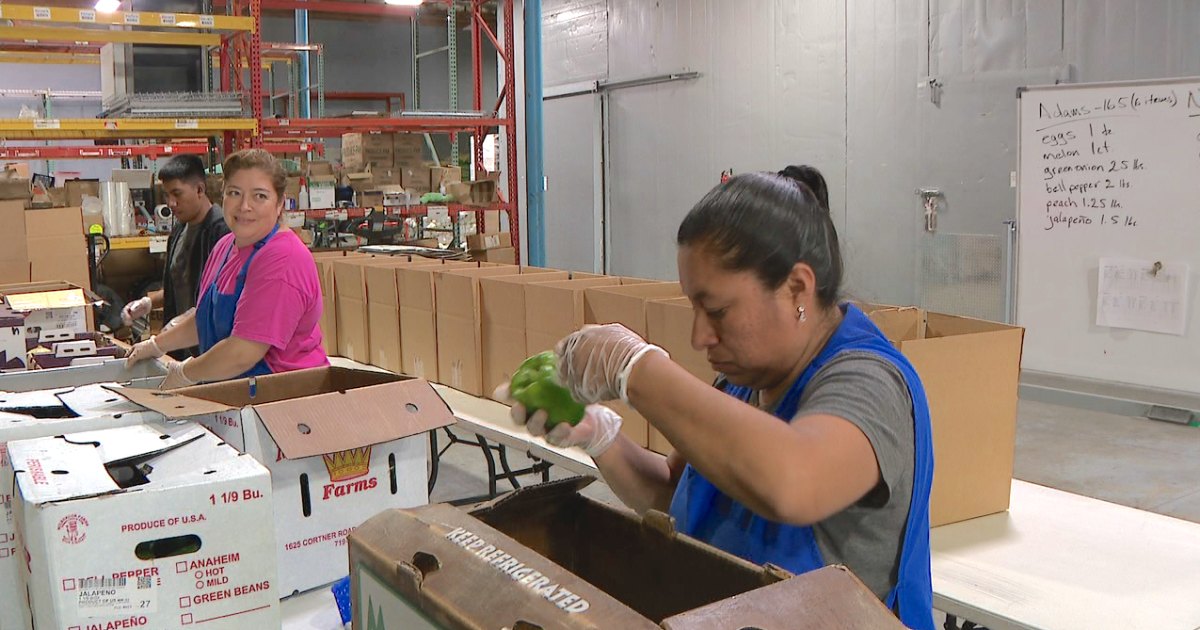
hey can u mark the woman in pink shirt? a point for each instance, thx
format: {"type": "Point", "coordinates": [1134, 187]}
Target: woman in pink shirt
{"type": "Point", "coordinates": [260, 300]}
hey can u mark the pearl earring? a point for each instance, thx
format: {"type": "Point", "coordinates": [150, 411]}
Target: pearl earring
{"type": "Point", "coordinates": [800, 314]}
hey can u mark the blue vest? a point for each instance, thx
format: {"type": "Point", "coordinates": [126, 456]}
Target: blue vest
{"type": "Point", "coordinates": [216, 311]}
{"type": "Point", "coordinates": [704, 512]}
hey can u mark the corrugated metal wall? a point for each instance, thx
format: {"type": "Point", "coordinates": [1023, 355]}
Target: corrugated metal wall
{"type": "Point", "coordinates": [836, 85]}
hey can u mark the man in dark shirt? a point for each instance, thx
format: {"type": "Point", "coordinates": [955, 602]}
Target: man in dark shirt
{"type": "Point", "coordinates": [199, 224]}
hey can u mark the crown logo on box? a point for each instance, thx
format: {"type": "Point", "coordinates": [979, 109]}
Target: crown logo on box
{"type": "Point", "coordinates": [348, 465]}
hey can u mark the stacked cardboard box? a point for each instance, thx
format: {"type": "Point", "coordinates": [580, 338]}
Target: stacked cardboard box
{"type": "Point", "coordinates": [492, 247]}
{"type": "Point", "coordinates": [42, 245]}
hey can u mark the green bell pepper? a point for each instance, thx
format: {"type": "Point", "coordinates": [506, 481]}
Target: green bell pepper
{"type": "Point", "coordinates": [536, 385]}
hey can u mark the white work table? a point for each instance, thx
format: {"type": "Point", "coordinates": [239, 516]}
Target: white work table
{"type": "Point", "coordinates": [1060, 561]}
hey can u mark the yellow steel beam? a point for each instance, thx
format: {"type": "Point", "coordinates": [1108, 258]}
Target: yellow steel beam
{"type": "Point", "coordinates": [8, 56]}
{"type": "Point", "coordinates": [62, 34]}
{"type": "Point", "coordinates": [69, 15]}
{"type": "Point", "coordinates": [63, 128]}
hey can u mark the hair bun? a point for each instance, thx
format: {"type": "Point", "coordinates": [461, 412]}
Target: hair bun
{"type": "Point", "coordinates": [812, 179]}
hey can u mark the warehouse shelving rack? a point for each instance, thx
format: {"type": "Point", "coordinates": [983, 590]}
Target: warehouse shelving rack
{"type": "Point", "coordinates": [237, 38]}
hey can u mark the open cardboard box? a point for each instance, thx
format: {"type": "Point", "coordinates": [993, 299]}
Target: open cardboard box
{"type": "Point", "coordinates": [341, 445]}
{"type": "Point", "coordinates": [418, 317]}
{"type": "Point", "coordinates": [383, 309]}
{"type": "Point", "coordinates": [970, 369]}
{"type": "Point", "coordinates": [547, 558]}
{"type": "Point", "coordinates": [144, 526]}
{"type": "Point", "coordinates": [626, 305]}
{"type": "Point", "coordinates": [669, 326]}
{"type": "Point", "coordinates": [502, 324]}
{"type": "Point", "coordinates": [34, 414]}
{"type": "Point", "coordinates": [48, 307]}
{"type": "Point", "coordinates": [459, 325]}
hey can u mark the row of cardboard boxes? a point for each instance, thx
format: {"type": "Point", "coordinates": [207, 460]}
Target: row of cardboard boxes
{"type": "Point", "coordinates": [469, 325]}
{"type": "Point", "coordinates": [126, 503]}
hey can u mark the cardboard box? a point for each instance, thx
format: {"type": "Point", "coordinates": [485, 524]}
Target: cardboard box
{"type": "Point", "coordinates": [14, 252]}
{"type": "Point", "coordinates": [49, 307]}
{"type": "Point", "coordinates": [57, 251]}
{"type": "Point", "coordinates": [502, 324]}
{"type": "Point", "coordinates": [77, 189]}
{"type": "Point", "coordinates": [504, 255]}
{"type": "Point", "coordinates": [36, 414]}
{"type": "Point", "coordinates": [442, 175]}
{"type": "Point", "coordinates": [362, 149]}
{"type": "Point", "coordinates": [415, 179]}
{"type": "Point", "coordinates": [149, 526]}
{"type": "Point", "coordinates": [341, 445]}
{"type": "Point", "coordinates": [489, 241]}
{"type": "Point", "coordinates": [383, 311]}
{"type": "Point", "coordinates": [408, 149]}
{"type": "Point", "coordinates": [353, 341]}
{"type": "Point", "coordinates": [328, 322]}
{"type": "Point", "coordinates": [626, 304]}
{"type": "Point", "coordinates": [669, 325]}
{"type": "Point", "coordinates": [477, 193]}
{"type": "Point", "coordinates": [93, 223]}
{"type": "Point", "coordinates": [546, 557]}
{"type": "Point", "coordinates": [492, 221]}
{"type": "Point", "coordinates": [418, 318]}
{"type": "Point", "coordinates": [14, 186]}
{"type": "Point", "coordinates": [459, 324]}
{"type": "Point", "coordinates": [554, 310]}
{"type": "Point", "coordinates": [292, 190]}
{"type": "Point", "coordinates": [370, 198]}
{"type": "Point", "coordinates": [970, 369]}
{"type": "Point", "coordinates": [321, 184]}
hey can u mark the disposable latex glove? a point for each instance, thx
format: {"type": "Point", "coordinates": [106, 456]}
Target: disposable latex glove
{"type": "Point", "coordinates": [594, 434]}
{"type": "Point", "coordinates": [176, 377]}
{"type": "Point", "coordinates": [175, 320]}
{"type": "Point", "coordinates": [136, 309]}
{"type": "Point", "coordinates": [595, 362]}
{"type": "Point", "coordinates": [141, 351]}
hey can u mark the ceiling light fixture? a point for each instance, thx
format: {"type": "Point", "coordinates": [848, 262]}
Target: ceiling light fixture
{"type": "Point", "coordinates": [404, 3]}
{"type": "Point", "coordinates": [107, 6]}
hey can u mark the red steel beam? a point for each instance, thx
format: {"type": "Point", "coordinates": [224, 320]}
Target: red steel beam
{"type": "Point", "coordinates": [100, 152]}
{"type": "Point", "coordinates": [334, 127]}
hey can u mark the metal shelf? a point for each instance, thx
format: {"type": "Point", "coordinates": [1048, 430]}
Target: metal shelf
{"type": "Point", "coordinates": [101, 152]}
{"type": "Point", "coordinates": [335, 127]}
{"type": "Point", "coordinates": [67, 15]}
{"type": "Point", "coordinates": [345, 214]}
{"type": "Point", "coordinates": [69, 128]}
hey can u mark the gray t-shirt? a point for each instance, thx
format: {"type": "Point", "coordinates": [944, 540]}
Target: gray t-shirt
{"type": "Point", "coordinates": [870, 392]}
{"type": "Point", "coordinates": [183, 277]}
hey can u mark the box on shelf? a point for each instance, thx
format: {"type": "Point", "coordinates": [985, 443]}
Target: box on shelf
{"type": "Point", "coordinates": [370, 198]}
{"type": "Point", "coordinates": [143, 530]}
{"type": "Point", "coordinates": [492, 221]}
{"type": "Point", "coordinates": [27, 414]}
{"type": "Point", "coordinates": [547, 557]}
{"type": "Point", "coordinates": [489, 241]}
{"type": "Point", "coordinates": [77, 189]}
{"type": "Point", "coordinates": [476, 193]}
{"type": "Point", "coordinates": [440, 176]}
{"type": "Point", "coordinates": [970, 369]}
{"type": "Point", "coordinates": [408, 149]}
{"type": "Point", "coordinates": [360, 150]}
{"type": "Point", "coordinates": [321, 185]}
{"type": "Point", "coordinates": [502, 324]}
{"type": "Point", "coordinates": [503, 255]}
{"type": "Point", "coordinates": [341, 445]}
{"type": "Point", "coordinates": [14, 186]}
{"type": "Point", "coordinates": [415, 179]}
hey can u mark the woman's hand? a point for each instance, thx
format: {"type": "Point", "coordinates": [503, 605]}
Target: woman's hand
{"type": "Point", "coordinates": [142, 351]}
{"type": "Point", "coordinates": [176, 376]}
{"type": "Point", "coordinates": [595, 363]}
{"type": "Point", "coordinates": [595, 433]}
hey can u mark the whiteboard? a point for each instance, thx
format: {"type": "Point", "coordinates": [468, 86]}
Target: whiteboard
{"type": "Point", "coordinates": [1107, 171]}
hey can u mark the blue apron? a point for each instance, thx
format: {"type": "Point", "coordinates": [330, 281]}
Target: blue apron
{"type": "Point", "coordinates": [215, 313]}
{"type": "Point", "coordinates": [704, 512]}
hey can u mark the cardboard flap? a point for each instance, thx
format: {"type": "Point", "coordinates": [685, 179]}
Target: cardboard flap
{"type": "Point", "coordinates": [830, 598]}
{"type": "Point", "coordinates": [357, 418]}
{"type": "Point", "coordinates": [137, 442]}
{"type": "Point", "coordinates": [550, 490]}
{"type": "Point", "coordinates": [170, 404]}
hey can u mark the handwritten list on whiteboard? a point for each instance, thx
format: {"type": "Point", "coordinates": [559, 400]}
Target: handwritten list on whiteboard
{"type": "Point", "coordinates": [1142, 295]}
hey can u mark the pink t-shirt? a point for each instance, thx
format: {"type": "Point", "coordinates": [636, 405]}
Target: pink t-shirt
{"type": "Point", "coordinates": [281, 302]}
